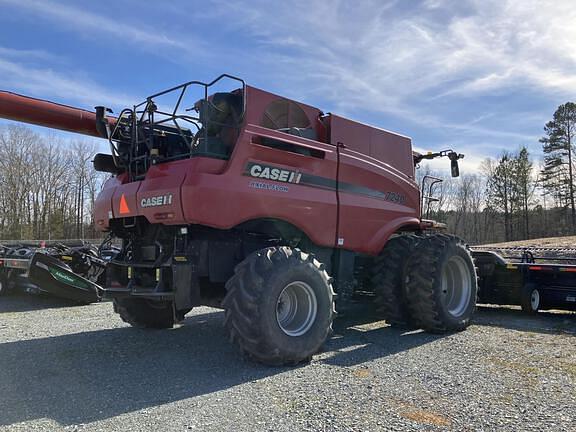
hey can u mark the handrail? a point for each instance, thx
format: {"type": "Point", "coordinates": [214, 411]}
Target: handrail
{"type": "Point", "coordinates": [426, 200]}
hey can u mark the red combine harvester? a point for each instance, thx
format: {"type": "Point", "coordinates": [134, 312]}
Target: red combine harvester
{"type": "Point", "coordinates": [263, 206]}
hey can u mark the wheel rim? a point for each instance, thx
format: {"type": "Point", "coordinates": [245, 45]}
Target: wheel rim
{"type": "Point", "coordinates": [535, 300]}
{"type": "Point", "coordinates": [296, 308]}
{"type": "Point", "coordinates": [456, 286]}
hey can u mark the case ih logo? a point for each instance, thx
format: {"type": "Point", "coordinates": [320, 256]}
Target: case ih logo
{"type": "Point", "coordinates": [272, 173]}
{"type": "Point", "coordinates": [156, 201]}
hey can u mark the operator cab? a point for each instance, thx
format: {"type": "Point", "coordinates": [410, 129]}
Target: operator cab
{"type": "Point", "coordinates": [220, 118]}
{"type": "Point", "coordinates": [167, 127]}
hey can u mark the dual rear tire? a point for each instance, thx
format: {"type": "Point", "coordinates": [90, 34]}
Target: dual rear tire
{"type": "Point", "coordinates": [427, 282]}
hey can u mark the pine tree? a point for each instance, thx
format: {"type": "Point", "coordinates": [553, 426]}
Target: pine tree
{"type": "Point", "coordinates": [558, 170]}
{"type": "Point", "coordinates": [525, 186]}
{"type": "Point", "coordinates": [500, 188]}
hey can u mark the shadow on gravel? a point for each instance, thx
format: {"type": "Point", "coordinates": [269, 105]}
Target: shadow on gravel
{"type": "Point", "coordinates": [90, 376]}
{"type": "Point", "coordinates": [85, 377]}
{"type": "Point", "coordinates": [22, 302]}
{"type": "Point", "coordinates": [515, 319]}
{"type": "Point", "coordinates": [361, 336]}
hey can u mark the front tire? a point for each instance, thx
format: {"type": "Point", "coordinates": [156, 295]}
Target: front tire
{"type": "Point", "coordinates": [442, 284]}
{"type": "Point", "coordinates": [279, 307]}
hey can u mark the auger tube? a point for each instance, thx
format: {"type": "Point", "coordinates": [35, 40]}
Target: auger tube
{"type": "Point", "coordinates": [49, 114]}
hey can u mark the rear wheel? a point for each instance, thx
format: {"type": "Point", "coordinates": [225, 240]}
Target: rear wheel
{"type": "Point", "coordinates": [279, 307]}
{"type": "Point", "coordinates": [441, 284]}
{"type": "Point", "coordinates": [144, 313]}
{"type": "Point", "coordinates": [530, 299]}
{"type": "Point", "coordinates": [388, 280]}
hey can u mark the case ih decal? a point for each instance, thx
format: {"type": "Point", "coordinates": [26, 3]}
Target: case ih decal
{"type": "Point", "coordinates": [272, 173]}
{"type": "Point", "coordinates": [156, 201]}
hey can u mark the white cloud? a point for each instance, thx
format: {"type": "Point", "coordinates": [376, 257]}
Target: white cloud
{"type": "Point", "coordinates": [39, 55]}
{"type": "Point", "coordinates": [89, 23]}
{"type": "Point", "coordinates": [362, 55]}
{"type": "Point", "coordinates": [46, 83]}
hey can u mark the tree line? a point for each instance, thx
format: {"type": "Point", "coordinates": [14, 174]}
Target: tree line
{"type": "Point", "coordinates": [512, 198]}
{"type": "Point", "coordinates": [47, 186]}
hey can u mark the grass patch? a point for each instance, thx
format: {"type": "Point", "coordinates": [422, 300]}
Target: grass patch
{"type": "Point", "coordinates": [425, 417]}
{"type": "Point", "coordinates": [362, 373]}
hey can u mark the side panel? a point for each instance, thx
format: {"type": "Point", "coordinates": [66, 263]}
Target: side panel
{"type": "Point", "coordinates": [241, 194]}
{"type": "Point", "coordinates": [158, 197]}
{"type": "Point", "coordinates": [377, 196]}
{"type": "Point", "coordinates": [386, 147]}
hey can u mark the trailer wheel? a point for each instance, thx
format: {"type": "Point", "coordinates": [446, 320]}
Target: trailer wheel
{"type": "Point", "coordinates": [530, 298]}
{"type": "Point", "coordinates": [144, 313]}
{"type": "Point", "coordinates": [442, 284]}
{"type": "Point", "coordinates": [279, 307]}
{"type": "Point", "coordinates": [389, 277]}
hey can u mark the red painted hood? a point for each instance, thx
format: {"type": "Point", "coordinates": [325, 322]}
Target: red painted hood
{"type": "Point", "coordinates": [157, 197]}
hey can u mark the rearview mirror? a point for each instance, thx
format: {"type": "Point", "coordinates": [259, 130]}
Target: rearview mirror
{"type": "Point", "coordinates": [454, 168]}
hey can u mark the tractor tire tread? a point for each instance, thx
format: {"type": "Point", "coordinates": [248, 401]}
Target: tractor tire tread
{"type": "Point", "coordinates": [245, 290]}
{"type": "Point", "coordinates": [423, 270]}
{"type": "Point", "coordinates": [388, 279]}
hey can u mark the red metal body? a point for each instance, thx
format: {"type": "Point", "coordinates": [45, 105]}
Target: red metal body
{"type": "Point", "coordinates": [355, 191]}
{"type": "Point", "coordinates": [372, 192]}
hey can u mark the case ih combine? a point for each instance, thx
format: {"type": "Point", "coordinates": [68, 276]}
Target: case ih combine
{"type": "Point", "coordinates": [265, 207]}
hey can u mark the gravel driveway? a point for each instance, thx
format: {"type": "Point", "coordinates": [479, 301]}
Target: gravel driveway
{"type": "Point", "coordinates": [82, 369]}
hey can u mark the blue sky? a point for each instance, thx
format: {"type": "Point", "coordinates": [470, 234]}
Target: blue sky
{"type": "Point", "coordinates": [479, 76]}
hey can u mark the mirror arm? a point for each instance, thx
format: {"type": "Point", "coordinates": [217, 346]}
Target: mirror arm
{"type": "Point", "coordinates": [451, 154]}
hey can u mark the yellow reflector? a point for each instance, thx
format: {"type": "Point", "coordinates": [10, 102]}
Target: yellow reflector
{"type": "Point", "coordinates": [129, 272]}
{"type": "Point", "coordinates": [511, 266]}
{"type": "Point", "coordinates": [157, 274]}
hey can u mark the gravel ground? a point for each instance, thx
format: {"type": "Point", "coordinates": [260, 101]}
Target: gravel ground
{"type": "Point", "coordinates": [65, 368]}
